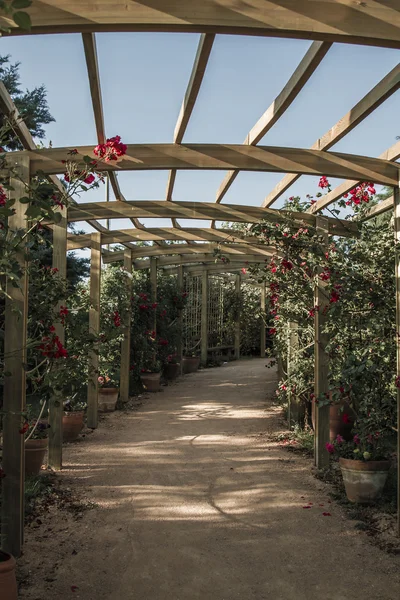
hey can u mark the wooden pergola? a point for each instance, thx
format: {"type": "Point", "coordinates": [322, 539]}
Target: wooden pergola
{"type": "Point", "coordinates": [324, 22]}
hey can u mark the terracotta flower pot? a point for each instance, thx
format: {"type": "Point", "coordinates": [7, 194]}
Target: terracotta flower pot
{"type": "Point", "coordinates": [190, 364]}
{"type": "Point", "coordinates": [364, 481]}
{"type": "Point", "coordinates": [35, 451]}
{"type": "Point", "coordinates": [8, 581]}
{"type": "Point", "coordinates": [336, 424]}
{"type": "Point", "coordinates": [151, 381]}
{"type": "Point", "coordinates": [172, 370]}
{"type": "Point", "coordinates": [72, 423]}
{"type": "Point", "coordinates": [107, 398]}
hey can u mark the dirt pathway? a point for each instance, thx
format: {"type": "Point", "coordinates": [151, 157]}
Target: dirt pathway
{"type": "Point", "coordinates": [196, 503]}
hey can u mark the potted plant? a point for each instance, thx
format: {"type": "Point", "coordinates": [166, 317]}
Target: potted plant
{"type": "Point", "coordinates": [364, 462]}
{"type": "Point", "coordinates": [191, 362]}
{"type": "Point", "coordinates": [8, 581]}
{"type": "Point", "coordinates": [172, 368]}
{"type": "Point", "coordinates": [150, 377]}
{"type": "Point", "coordinates": [36, 442]}
{"type": "Point", "coordinates": [72, 421]}
{"type": "Point", "coordinates": [108, 393]}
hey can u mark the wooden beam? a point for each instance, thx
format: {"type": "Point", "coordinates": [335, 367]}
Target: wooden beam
{"type": "Point", "coordinates": [204, 319]}
{"type": "Point", "coordinates": [94, 329]}
{"type": "Point", "coordinates": [126, 342]}
{"type": "Point", "coordinates": [238, 311]}
{"type": "Point", "coordinates": [379, 209]}
{"type": "Point", "coordinates": [14, 399]}
{"type": "Point", "coordinates": [263, 338]}
{"type": "Point", "coordinates": [166, 262]}
{"type": "Point", "coordinates": [392, 154]}
{"type": "Point", "coordinates": [369, 23]}
{"type": "Point", "coordinates": [274, 159]}
{"type": "Point", "coordinates": [321, 359]}
{"type": "Point", "coordinates": [56, 401]}
{"type": "Point", "coordinates": [297, 81]}
{"type": "Point", "coordinates": [396, 195]}
{"type": "Point", "coordinates": [201, 210]}
{"type": "Point", "coordinates": [374, 98]}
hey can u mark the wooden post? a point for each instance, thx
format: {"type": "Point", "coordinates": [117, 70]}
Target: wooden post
{"type": "Point", "coordinates": [238, 310]}
{"type": "Point", "coordinates": [94, 329]}
{"type": "Point", "coordinates": [126, 342]}
{"type": "Point", "coordinates": [153, 286]}
{"type": "Point", "coordinates": [321, 361]}
{"type": "Point", "coordinates": [295, 413]}
{"type": "Point", "coordinates": [56, 401]}
{"type": "Point", "coordinates": [396, 200]}
{"type": "Point", "coordinates": [179, 349]}
{"type": "Point", "coordinates": [204, 318]}
{"type": "Point", "coordinates": [262, 327]}
{"type": "Point", "coordinates": [15, 333]}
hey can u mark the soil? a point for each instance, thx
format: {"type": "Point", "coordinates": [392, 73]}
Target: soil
{"type": "Point", "coordinates": [193, 498]}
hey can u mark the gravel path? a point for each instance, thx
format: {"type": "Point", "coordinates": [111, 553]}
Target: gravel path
{"type": "Point", "coordinates": [195, 502]}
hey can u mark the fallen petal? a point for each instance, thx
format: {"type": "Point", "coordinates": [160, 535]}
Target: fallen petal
{"type": "Point", "coordinates": [325, 514]}
{"type": "Point", "coordinates": [306, 506]}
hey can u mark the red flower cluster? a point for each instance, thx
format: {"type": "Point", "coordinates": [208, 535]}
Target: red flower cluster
{"type": "Point", "coordinates": [324, 183]}
{"type": "Point", "coordinates": [63, 313]}
{"type": "Point", "coordinates": [3, 196]}
{"type": "Point", "coordinates": [311, 313]}
{"type": "Point", "coordinates": [286, 265]}
{"type": "Point", "coordinates": [111, 150]}
{"type": "Point", "coordinates": [272, 331]}
{"type": "Point", "coordinates": [24, 428]}
{"type": "Point", "coordinates": [361, 193]}
{"type": "Point", "coordinates": [325, 275]}
{"type": "Point", "coordinates": [143, 306]}
{"type": "Point", "coordinates": [335, 296]}
{"type": "Point", "coordinates": [52, 347]}
{"type": "Point", "coordinates": [117, 319]}
{"type": "Point", "coordinates": [162, 342]}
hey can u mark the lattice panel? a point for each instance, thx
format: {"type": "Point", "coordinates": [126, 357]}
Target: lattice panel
{"type": "Point", "coordinates": [192, 314]}
{"type": "Point", "coordinates": [215, 312]}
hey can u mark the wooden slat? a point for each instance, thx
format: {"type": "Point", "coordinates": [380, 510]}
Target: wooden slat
{"type": "Point", "coordinates": [126, 342]}
{"type": "Point", "coordinates": [371, 22]}
{"type": "Point", "coordinates": [374, 98]}
{"type": "Point", "coordinates": [379, 209]}
{"type": "Point", "coordinates": [297, 81]}
{"type": "Point", "coordinates": [166, 262]}
{"type": "Point", "coordinates": [200, 210]}
{"type": "Point", "coordinates": [204, 319]}
{"type": "Point", "coordinates": [392, 153]}
{"type": "Point", "coordinates": [15, 335]}
{"type": "Point", "coordinates": [274, 159]}
{"type": "Point", "coordinates": [321, 360]}
{"type": "Point", "coordinates": [56, 401]}
{"type": "Point", "coordinates": [396, 195]}
{"type": "Point", "coordinates": [94, 329]}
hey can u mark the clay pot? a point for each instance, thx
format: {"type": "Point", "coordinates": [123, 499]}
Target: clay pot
{"type": "Point", "coordinates": [151, 381]}
{"type": "Point", "coordinates": [364, 481]}
{"type": "Point", "coordinates": [72, 423]}
{"type": "Point", "coordinates": [336, 424]}
{"type": "Point", "coordinates": [190, 364]}
{"type": "Point", "coordinates": [172, 371]}
{"type": "Point", "coordinates": [8, 581]}
{"type": "Point", "coordinates": [35, 451]}
{"type": "Point", "coordinates": [107, 399]}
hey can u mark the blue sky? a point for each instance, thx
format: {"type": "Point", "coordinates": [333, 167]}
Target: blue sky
{"type": "Point", "coordinates": [144, 77]}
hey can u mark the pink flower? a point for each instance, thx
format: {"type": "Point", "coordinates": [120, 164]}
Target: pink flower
{"type": "Point", "coordinates": [346, 419]}
{"type": "Point", "coordinates": [323, 182]}
{"type": "Point", "coordinates": [356, 439]}
{"type": "Point", "coordinates": [100, 380]}
{"type": "Point", "coordinates": [330, 447]}
{"type": "Point", "coordinates": [339, 439]}
{"type": "Point", "coordinates": [89, 179]}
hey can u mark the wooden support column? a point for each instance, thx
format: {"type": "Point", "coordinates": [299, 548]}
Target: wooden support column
{"type": "Point", "coordinates": [262, 325]}
{"type": "Point", "coordinates": [238, 311]}
{"type": "Point", "coordinates": [56, 401]}
{"type": "Point", "coordinates": [15, 333]}
{"type": "Point", "coordinates": [153, 286]}
{"type": "Point", "coordinates": [179, 349]}
{"type": "Point", "coordinates": [126, 342]}
{"type": "Point", "coordinates": [396, 199]}
{"type": "Point", "coordinates": [94, 329]}
{"type": "Point", "coordinates": [204, 318]}
{"type": "Point", "coordinates": [321, 360]}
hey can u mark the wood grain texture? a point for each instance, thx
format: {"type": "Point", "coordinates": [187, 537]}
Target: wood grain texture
{"type": "Point", "coordinates": [345, 21]}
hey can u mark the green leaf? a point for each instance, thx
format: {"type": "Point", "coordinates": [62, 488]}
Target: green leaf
{"type": "Point", "coordinates": [17, 4]}
{"type": "Point", "coordinates": [22, 19]}
{"type": "Point", "coordinates": [24, 200]}
{"type": "Point", "coordinates": [57, 217]}
{"type": "Point", "coordinates": [33, 212]}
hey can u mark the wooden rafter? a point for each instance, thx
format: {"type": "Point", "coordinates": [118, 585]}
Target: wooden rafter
{"type": "Point", "coordinates": [297, 81]}
{"type": "Point", "coordinates": [374, 98]}
{"type": "Point", "coordinates": [371, 23]}
{"type": "Point", "coordinates": [392, 153]}
{"type": "Point", "coordinates": [273, 159]}
{"type": "Point", "coordinates": [167, 262]}
{"type": "Point", "coordinates": [199, 210]}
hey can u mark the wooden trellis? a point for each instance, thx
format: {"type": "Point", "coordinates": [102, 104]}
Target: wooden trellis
{"type": "Point", "coordinates": [192, 315]}
{"type": "Point", "coordinates": [326, 22]}
{"type": "Point", "coordinates": [216, 296]}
